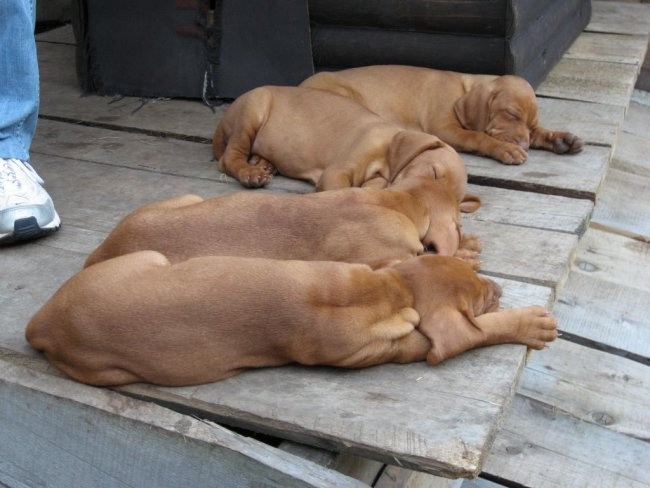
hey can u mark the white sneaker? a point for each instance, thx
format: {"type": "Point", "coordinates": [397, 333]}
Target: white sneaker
{"type": "Point", "coordinates": [26, 209]}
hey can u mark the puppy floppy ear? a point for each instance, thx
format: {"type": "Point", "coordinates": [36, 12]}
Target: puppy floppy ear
{"type": "Point", "coordinates": [473, 109]}
{"type": "Point", "coordinates": [406, 146]}
{"type": "Point", "coordinates": [470, 203]}
{"type": "Point", "coordinates": [451, 331]}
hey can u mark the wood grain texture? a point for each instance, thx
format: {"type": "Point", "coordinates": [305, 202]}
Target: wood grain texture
{"type": "Point", "coordinates": [523, 253]}
{"type": "Point", "coordinates": [619, 18]}
{"type": "Point", "coordinates": [528, 209]}
{"type": "Point", "coordinates": [623, 204]}
{"type": "Point", "coordinates": [615, 259]}
{"type": "Point", "coordinates": [633, 147]}
{"type": "Point", "coordinates": [629, 49]}
{"type": "Point", "coordinates": [578, 176]}
{"type": "Point", "coordinates": [59, 433]}
{"type": "Point", "coordinates": [590, 81]}
{"type": "Point", "coordinates": [607, 296]}
{"type": "Point", "coordinates": [595, 123]}
{"type": "Point", "coordinates": [592, 386]}
{"type": "Point", "coordinates": [540, 447]}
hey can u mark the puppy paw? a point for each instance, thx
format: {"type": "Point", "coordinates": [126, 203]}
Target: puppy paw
{"type": "Point", "coordinates": [534, 326]}
{"type": "Point", "coordinates": [566, 143]}
{"type": "Point", "coordinates": [509, 153]}
{"type": "Point", "coordinates": [255, 176]}
{"type": "Point", "coordinates": [471, 242]}
{"type": "Point", "coordinates": [262, 163]}
{"type": "Point", "coordinates": [470, 257]}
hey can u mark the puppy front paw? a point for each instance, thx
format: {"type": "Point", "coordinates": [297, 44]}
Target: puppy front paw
{"type": "Point", "coordinates": [470, 257]}
{"type": "Point", "coordinates": [534, 326]}
{"type": "Point", "coordinates": [471, 242]}
{"type": "Point", "coordinates": [566, 143]}
{"type": "Point", "coordinates": [509, 153]}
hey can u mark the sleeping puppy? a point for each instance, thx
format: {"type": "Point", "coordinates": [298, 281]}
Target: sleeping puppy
{"type": "Point", "coordinates": [325, 139]}
{"type": "Point", "coordinates": [138, 317]}
{"type": "Point", "coordinates": [357, 225]}
{"type": "Point", "coordinates": [495, 116]}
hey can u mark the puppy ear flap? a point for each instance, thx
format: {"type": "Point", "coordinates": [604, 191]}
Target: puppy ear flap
{"type": "Point", "coordinates": [473, 109]}
{"type": "Point", "coordinates": [470, 203]}
{"type": "Point", "coordinates": [406, 146]}
{"type": "Point", "coordinates": [451, 331]}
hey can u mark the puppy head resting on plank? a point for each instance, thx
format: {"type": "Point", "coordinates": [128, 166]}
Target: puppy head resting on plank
{"type": "Point", "coordinates": [326, 139]}
{"type": "Point", "coordinates": [495, 116]}
{"type": "Point", "coordinates": [361, 225]}
{"type": "Point", "coordinates": [139, 318]}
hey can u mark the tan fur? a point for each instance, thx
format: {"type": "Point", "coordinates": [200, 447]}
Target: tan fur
{"type": "Point", "coordinates": [139, 318]}
{"type": "Point", "coordinates": [491, 115]}
{"type": "Point", "coordinates": [325, 139]}
{"type": "Point", "coordinates": [360, 225]}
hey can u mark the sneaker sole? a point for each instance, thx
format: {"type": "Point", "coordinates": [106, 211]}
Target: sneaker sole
{"type": "Point", "coordinates": [27, 229]}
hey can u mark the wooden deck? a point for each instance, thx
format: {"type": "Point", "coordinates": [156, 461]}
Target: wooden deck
{"type": "Point", "coordinates": [581, 411]}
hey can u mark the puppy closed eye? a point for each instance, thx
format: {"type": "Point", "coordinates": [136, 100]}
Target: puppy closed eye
{"type": "Point", "coordinates": [512, 115]}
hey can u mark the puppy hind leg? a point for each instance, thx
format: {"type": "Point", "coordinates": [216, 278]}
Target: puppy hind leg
{"type": "Point", "coordinates": [250, 115]}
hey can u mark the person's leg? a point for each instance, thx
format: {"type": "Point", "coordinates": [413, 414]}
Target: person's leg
{"type": "Point", "coordinates": [26, 210]}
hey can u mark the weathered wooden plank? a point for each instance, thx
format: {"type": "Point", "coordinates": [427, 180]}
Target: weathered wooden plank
{"type": "Point", "coordinates": [30, 274]}
{"type": "Point", "coordinates": [615, 259]}
{"type": "Point", "coordinates": [627, 49]}
{"type": "Point", "coordinates": [623, 204]}
{"type": "Point", "coordinates": [607, 296]}
{"type": "Point", "coordinates": [59, 433]}
{"type": "Point", "coordinates": [595, 123]}
{"type": "Point", "coordinates": [591, 385]}
{"type": "Point", "coordinates": [631, 153]}
{"type": "Point", "coordinates": [619, 18]}
{"type": "Point", "coordinates": [534, 210]}
{"type": "Point", "coordinates": [577, 176]}
{"type": "Point", "coordinates": [624, 201]}
{"type": "Point", "coordinates": [540, 447]}
{"type": "Point", "coordinates": [524, 253]}
{"type": "Point", "coordinates": [591, 81]}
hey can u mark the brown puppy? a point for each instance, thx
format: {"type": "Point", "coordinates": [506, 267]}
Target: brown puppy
{"type": "Point", "coordinates": [139, 318]}
{"type": "Point", "coordinates": [357, 225]}
{"type": "Point", "coordinates": [491, 115]}
{"type": "Point", "coordinates": [325, 139]}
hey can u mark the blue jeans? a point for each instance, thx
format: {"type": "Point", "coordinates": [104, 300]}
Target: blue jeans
{"type": "Point", "coordinates": [19, 92]}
